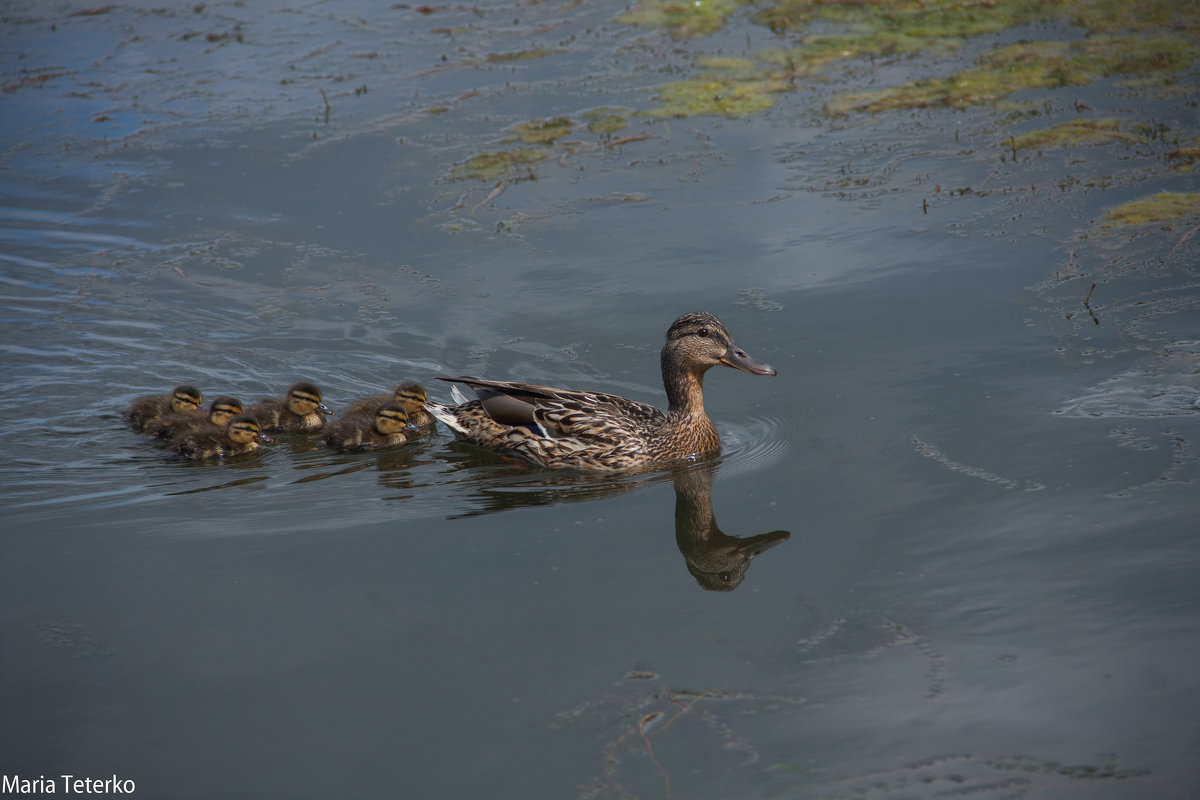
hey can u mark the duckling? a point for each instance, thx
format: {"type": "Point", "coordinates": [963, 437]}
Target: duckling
{"type": "Point", "coordinates": [149, 408]}
{"type": "Point", "coordinates": [301, 410]}
{"type": "Point", "coordinates": [409, 395]}
{"type": "Point", "coordinates": [172, 426]}
{"type": "Point", "coordinates": [390, 426]}
{"type": "Point", "coordinates": [241, 435]}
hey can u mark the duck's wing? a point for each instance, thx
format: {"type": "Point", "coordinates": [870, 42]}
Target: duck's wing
{"type": "Point", "coordinates": [561, 413]}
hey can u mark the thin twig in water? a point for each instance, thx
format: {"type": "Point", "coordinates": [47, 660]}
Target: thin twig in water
{"type": "Point", "coordinates": [1184, 238]}
{"type": "Point", "coordinates": [1088, 306]}
{"type": "Point", "coordinates": [650, 749]}
{"type": "Point", "coordinates": [628, 139]}
{"type": "Point", "coordinates": [326, 101]}
{"type": "Point", "coordinates": [491, 196]}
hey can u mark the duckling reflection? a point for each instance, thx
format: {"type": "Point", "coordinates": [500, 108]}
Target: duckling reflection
{"type": "Point", "coordinates": [147, 409]}
{"type": "Point", "coordinates": [177, 424]}
{"type": "Point", "coordinates": [301, 410]}
{"type": "Point", "coordinates": [717, 561]}
{"type": "Point", "coordinates": [409, 395]}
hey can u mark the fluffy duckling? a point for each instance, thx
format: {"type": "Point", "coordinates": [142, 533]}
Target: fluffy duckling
{"type": "Point", "coordinates": [149, 408]}
{"type": "Point", "coordinates": [301, 410]}
{"type": "Point", "coordinates": [409, 395]}
{"type": "Point", "coordinates": [241, 435]}
{"type": "Point", "coordinates": [389, 426]}
{"type": "Point", "coordinates": [174, 425]}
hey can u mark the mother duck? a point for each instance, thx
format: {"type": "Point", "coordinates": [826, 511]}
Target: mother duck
{"type": "Point", "coordinates": [566, 429]}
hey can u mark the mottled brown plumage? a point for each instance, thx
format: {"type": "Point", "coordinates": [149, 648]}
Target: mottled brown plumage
{"type": "Point", "coordinates": [174, 425]}
{"type": "Point", "coordinates": [409, 395]}
{"type": "Point", "coordinates": [242, 435]}
{"type": "Point", "coordinates": [388, 427]}
{"type": "Point", "coordinates": [597, 431]}
{"type": "Point", "coordinates": [300, 410]}
{"type": "Point", "coordinates": [146, 410]}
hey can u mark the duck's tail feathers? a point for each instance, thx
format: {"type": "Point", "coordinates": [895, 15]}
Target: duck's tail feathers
{"type": "Point", "coordinates": [445, 414]}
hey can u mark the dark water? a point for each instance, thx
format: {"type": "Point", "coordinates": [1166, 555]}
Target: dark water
{"type": "Point", "coordinates": [991, 488]}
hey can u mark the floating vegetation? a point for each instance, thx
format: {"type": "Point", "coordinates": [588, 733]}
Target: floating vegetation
{"type": "Point", "coordinates": [495, 164]}
{"type": "Point", "coordinates": [1032, 65]}
{"type": "Point", "coordinates": [1068, 134]}
{"type": "Point", "coordinates": [1161, 207]}
{"type": "Point", "coordinates": [733, 87]}
{"type": "Point", "coordinates": [1183, 159]}
{"type": "Point", "coordinates": [602, 120]}
{"type": "Point", "coordinates": [540, 131]}
{"type": "Point", "coordinates": [522, 55]}
{"type": "Point", "coordinates": [688, 19]}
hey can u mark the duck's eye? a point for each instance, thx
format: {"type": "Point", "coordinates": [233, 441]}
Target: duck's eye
{"type": "Point", "coordinates": [702, 332]}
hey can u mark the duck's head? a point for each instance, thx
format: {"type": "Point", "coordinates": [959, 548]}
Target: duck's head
{"type": "Point", "coordinates": [392, 419]}
{"type": "Point", "coordinates": [411, 396]}
{"type": "Point", "coordinates": [698, 341]}
{"type": "Point", "coordinates": [224, 409]}
{"type": "Point", "coordinates": [185, 398]}
{"type": "Point", "coordinates": [244, 429]}
{"type": "Point", "coordinates": [305, 398]}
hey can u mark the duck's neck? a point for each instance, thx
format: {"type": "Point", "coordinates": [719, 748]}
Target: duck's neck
{"type": "Point", "coordinates": [685, 394]}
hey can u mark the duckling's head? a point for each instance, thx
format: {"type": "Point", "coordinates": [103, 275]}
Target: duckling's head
{"type": "Point", "coordinates": [698, 341]}
{"type": "Point", "coordinates": [224, 409]}
{"type": "Point", "coordinates": [411, 396]}
{"type": "Point", "coordinates": [185, 398]}
{"type": "Point", "coordinates": [244, 429]}
{"type": "Point", "coordinates": [392, 419]}
{"type": "Point", "coordinates": [305, 398]}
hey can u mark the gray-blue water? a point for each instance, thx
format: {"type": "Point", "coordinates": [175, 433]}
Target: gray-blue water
{"type": "Point", "coordinates": [988, 469]}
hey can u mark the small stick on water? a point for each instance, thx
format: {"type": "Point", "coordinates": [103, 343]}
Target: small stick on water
{"type": "Point", "coordinates": [491, 196]}
{"type": "Point", "coordinates": [1185, 237]}
{"type": "Point", "coordinates": [326, 101]}
{"type": "Point", "coordinates": [1013, 140]}
{"type": "Point", "coordinates": [1087, 303]}
{"type": "Point", "coordinates": [650, 750]}
{"type": "Point", "coordinates": [627, 140]}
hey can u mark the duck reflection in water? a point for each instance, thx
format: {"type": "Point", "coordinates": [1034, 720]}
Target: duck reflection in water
{"type": "Point", "coordinates": [716, 560]}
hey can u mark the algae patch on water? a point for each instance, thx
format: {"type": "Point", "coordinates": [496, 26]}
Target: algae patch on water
{"type": "Point", "coordinates": [733, 87]}
{"type": "Point", "coordinates": [1161, 207]}
{"type": "Point", "coordinates": [689, 18]}
{"type": "Point", "coordinates": [1073, 133]}
{"type": "Point", "coordinates": [1032, 65]}
{"type": "Point", "coordinates": [540, 131]}
{"type": "Point", "coordinates": [495, 164]}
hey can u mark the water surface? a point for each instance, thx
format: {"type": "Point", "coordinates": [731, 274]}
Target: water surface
{"type": "Point", "coordinates": [987, 468]}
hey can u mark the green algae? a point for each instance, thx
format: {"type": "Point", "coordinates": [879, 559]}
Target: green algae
{"type": "Point", "coordinates": [1158, 208]}
{"type": "Point", "coordinates": [690, 18]}
{"type": "Point", "coordinates": [540, 131]}
{"type": "Point", "coordinates": [495, 164]}
{"type": "Point", "coordinates": [732, 87]}
{"type": "Point", "coordinates": [603, 121]}
{"type": "Point", "coordinates": [1032, 65]}
{"type": "Point", "coordinates": [1074, 133]}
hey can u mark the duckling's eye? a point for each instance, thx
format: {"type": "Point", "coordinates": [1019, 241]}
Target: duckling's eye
{"type": "Point", "coordinates": [702, 332]}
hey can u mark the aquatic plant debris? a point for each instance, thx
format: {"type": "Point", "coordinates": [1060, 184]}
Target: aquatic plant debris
{"type": "Point", "coordinates": [685, 19]}
{"type": "Point", "coordinates": [1074, 132]}
{"type": "Point", "coordinates": [495, 164]}
{"type": "Point", "coordinates": [540, 131]}
{"type": "Point", "coordinates": [1161, 207]}
{"type": "Point", "coordinates": [1032, 65]}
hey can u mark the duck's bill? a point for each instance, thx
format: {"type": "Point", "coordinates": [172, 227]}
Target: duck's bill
{"type": "Point", "coordinates": [412, 426]}
{"type": "Point", "coordinates": [262, 437]}
{"type": "Point", "coordinates": [324, 409]}
{"type": "Point", "coordinates": [738, 358]}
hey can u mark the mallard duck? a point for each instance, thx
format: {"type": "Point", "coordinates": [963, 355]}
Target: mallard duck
{"type": "Point", "coordinates": [409, 395]}
{"type": "Point", "coordinates": [301, 410]}
{"type": "Point", "coordinates": [220, 411]}
{"type": "Point", "coordinates": [145, 410]}
{"type": "Point", "coordinates": [241, 435]}
{"type": "Point", "coordinates": [389, 426]}
{"type": "Point", "coordinates": [591, 430]}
